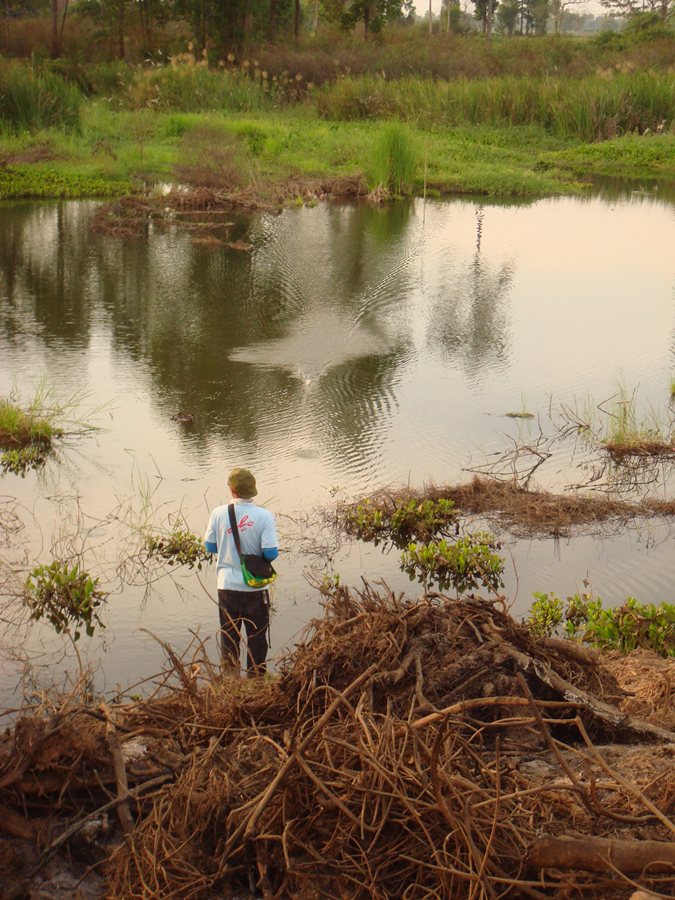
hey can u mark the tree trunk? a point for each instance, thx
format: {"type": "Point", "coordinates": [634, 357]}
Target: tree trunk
{"type": "Point", "coordinates": [120, 29]}
{"type": "Point", "coordinates": [6, 35]}
{"type": "Point", "coordinates": [56, 44]}
{"type": "Point", "coordinates": [296, 20]}
{"type": "Point", "coordinates": [366, 20]}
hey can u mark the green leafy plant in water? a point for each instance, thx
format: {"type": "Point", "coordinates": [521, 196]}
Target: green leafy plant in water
{"type": "Point", "coordinates": [546, 614]}
{"type": "Point", "coordinates": [469, 563]}
{"type": "Point", "coordinates": [627, 627]}
{"type": "Point", "coordinates": [65, 596]}
{"type": "Point", "coordinates": [402, 522]}
{"type": "Point", "coordinates": [179, 548]}
{"type": "Point", "coordinates": [23, 459]}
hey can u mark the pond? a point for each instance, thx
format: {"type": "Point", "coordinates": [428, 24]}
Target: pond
{"type": "Point", "coordinates": [351, 347]}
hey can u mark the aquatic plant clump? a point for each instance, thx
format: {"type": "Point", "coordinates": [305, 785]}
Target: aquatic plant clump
{"type": "Point", "coordinates": [34, 98]}
{"type": "Point", "coordinates": [180, 548]}
{"type": "Point", "coordinates": [469, 563]}
{"type": "Point", "coordinates": [26, 438]}
{"type": "Point", "coordinates": [23, 459]}
{"type": "Point", "coordinates": [22, 427]}
{"type": "Point", "coordinates": [66, 596]}
{"type": "Point", "coordinates": [400, 520]}
{"type": "Point", "coordinates": [393, 160]}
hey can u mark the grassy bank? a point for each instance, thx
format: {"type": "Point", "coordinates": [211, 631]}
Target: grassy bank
{"type": "Point", "coordinates": [241, 131]}
{"type": "Point", "coordinates": [272, 154]}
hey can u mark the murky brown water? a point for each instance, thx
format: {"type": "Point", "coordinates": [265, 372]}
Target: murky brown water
{"type": "Point", "coordinates": [354, 347]}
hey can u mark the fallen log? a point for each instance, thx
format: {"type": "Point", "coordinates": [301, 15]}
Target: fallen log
{"type": "Point", "coordinates": [594, 854]}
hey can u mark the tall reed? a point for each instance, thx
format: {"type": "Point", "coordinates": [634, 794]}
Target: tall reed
{"type": "Point", "coordinates": [394, 160]}
{"type": "Point", "coordinates": [591, 108]}
{"type": "Point", "coordinates": [195, 88]}
{"type": "Point", "coordinates": [37, 98]}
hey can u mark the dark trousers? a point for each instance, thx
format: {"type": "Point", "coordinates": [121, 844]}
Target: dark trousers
{"type": "Point", "coordinates": [252, 609]}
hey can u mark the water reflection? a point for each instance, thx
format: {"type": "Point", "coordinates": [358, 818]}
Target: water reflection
{"type": "Point", "coordinates": [355, 346]}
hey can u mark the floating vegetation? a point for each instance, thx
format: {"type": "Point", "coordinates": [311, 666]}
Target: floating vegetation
{"type": "Point", "coordinates": [469, 563]}
{"type": "Point", "coordinates": [23, 459]}
{"type": "Point", "coordinates": [66, 596]}
{"type": "Point", "coordinates": [505, 505]}
{"type": "Point", "coordinates": [399, 520]}
{"type": "Point", "coordinates": [26, 181]}
{"type": "Point", "coordinates": [519, 415]}
{"type": "Point", "coordinates": [415, 526]}
{"type": "Point", "coordinates": [179, 548]}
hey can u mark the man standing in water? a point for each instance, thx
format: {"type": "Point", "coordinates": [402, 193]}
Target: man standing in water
{"type": "Point", "coordinates": [239, 604]}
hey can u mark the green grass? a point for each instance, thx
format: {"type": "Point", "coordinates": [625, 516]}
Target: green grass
{"type": "Point", "coordinates": [21, 427]}
{"type": "Point", "coordinates": [28, 431]}
{"type": "Point", "coordinates": [117, 148]}
{"type": "Point", "coordinates": [630, 156]}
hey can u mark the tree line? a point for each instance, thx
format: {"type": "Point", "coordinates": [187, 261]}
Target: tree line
{"type": "Point", "coordinates": [219, 26]}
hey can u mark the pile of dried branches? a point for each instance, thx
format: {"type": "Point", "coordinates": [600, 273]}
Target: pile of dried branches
{"type": "Point", "coordinates": [407, 749]}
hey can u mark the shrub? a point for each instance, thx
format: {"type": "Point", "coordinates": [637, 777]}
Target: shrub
{"type": "Point", "coordinates": [623, 628]}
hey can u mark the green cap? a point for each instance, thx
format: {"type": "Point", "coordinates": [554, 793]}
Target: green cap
{"type": "Point", "coordinates": [242, 483]}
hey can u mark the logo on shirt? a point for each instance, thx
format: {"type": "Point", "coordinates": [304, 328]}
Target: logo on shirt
{"type": "Point", "coordinates": [244, 522]}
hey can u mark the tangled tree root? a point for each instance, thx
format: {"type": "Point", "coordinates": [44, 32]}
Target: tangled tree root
{"type": "Point", "coordinates": [407, 749]}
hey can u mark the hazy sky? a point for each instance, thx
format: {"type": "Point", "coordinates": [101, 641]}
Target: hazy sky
{"type": "Point", "coordinates": [590, 6]}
